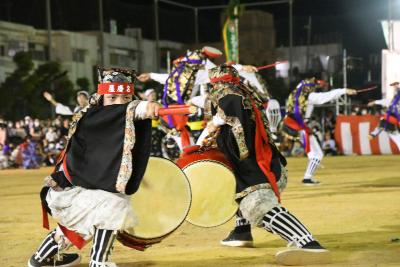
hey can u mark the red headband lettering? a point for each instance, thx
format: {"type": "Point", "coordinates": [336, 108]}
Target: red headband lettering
{"type": "Point", "coordinates": [115, 88]}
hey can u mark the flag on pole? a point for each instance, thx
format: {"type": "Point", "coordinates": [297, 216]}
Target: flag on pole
{"type": "Point", "coordinates": [230, 32]}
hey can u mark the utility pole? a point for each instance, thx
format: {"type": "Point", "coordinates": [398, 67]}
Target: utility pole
{"type": "Point", "coordinates": [196, 25]}
{"type": "Point", "coordinates": [390, 26]}
{"type": "Point", "coordinates": [345, 79]}
{"type": "Point", "coordinates": [308, 28]}
{"type": "Point", "coordinates": [48, 20]}
{"type": "Point", "coordinates": [157, 35]}
{"type": "Point", "coordinates": [101, 28]}
{"type": "Point", "coordinates": [290, 40]}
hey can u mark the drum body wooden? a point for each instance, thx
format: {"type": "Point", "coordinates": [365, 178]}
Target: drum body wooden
{"type": "Point", "coordinates": [213, 186]}
{"type": "Point", "coordinates": [161, 203]}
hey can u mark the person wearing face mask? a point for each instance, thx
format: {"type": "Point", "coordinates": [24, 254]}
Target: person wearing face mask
{"type": "Point", "coordinates": [390, 121]}
{"type": "Point", "coordinates": [102, 165]}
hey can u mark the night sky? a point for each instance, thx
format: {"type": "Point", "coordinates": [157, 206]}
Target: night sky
{"type": "Point", "coordinates": [355, 22]}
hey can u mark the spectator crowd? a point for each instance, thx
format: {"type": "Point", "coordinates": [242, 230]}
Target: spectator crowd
{"type": "Point", "coordinates": [31, 143]}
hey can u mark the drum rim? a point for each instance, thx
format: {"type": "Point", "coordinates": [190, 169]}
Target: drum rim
{"type": "Point", "coordinates": [159, 238]}
{"type": "Point", "coordinates": [220, 163]}
{"type": "Point", "coordinates": [212, 160]}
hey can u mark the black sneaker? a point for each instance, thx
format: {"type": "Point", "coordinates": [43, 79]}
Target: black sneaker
{"type": "Point", "coordinates": [64, 260]}
{"type": "Point", "coordinates": [238, 239]}
{"type": "Point", "coordinates": [313, 245]}
{"type": "Point", "coordinates": [310, 182]}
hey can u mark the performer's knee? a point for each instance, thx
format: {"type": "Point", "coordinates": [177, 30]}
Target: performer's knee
{"type": "Point", "coordinates": [315, 155]}
{"type": "Point", "coordinates": [256, 204]}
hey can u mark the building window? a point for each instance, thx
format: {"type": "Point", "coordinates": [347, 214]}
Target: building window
{"type": "Point", "coordinates": [113, 59]}
{"type": "Point", "coordinates": [15, 47]}
{"type": "Point", "coordinates": [38, 51]}
{"type": "Point", "coordinates": [78, 55]}
{"type": "Point", "coordinates": [123, 58]}
{"type": "Point", "coordinates": [2, 50]}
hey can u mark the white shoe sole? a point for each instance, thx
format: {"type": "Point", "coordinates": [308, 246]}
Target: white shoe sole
{"type": "Point", "coordinates": [74, 263]}
{"type": "Point", "coordinates": [292, 257]}
{"type": "Point", "coordinates": [312, 184]}
{"type": "Point", "coordinates": [246, 244]}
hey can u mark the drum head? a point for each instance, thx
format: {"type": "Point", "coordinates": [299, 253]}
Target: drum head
{"type": "Point", "coordinates": [211, 52]}
{"type": "Point", "coordinates": [162, 201]}
{"type": "Point", "coordinates": [213, 193]}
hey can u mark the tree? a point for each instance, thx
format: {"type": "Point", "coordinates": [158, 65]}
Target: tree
{"type": "Point", "coordinates": [83, 83]}
{"type": "Point", "coordinates": [21, 92]}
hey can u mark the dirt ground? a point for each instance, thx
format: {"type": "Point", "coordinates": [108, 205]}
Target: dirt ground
{"type": "Point", "coordinates": [355, 214]}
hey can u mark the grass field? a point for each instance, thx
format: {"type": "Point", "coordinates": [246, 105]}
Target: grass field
{"type": "Point", "coordinates": [355, 214]}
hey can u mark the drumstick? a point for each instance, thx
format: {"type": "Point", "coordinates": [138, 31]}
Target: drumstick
{"type": "Point", "coordinates": [367, 89]}
{"type": "Point", "coordinates": [178, 106]}
{"type": "Point", "coordinates": [271, 65]}
{"type": "Point", "coordinates": [177, 110]}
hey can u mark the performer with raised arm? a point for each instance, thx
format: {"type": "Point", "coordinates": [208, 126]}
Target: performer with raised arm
{"type": "Point", "coordinates": [178, 87]}
{"type": "Point", "coordinates": [179, 83]}
{"type": "Point", "coordinates": [102, 165]}
{"type": "Point", "coordinates": [299, 108]}
{"type": "Point", "coordinates": [243, 135]}
{"type": "Point", "coordinates": [82, 98]}
{"type": "Point", "coordinates": [390, 122]}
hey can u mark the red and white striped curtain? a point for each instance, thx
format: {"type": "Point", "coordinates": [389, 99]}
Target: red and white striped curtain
{"type": "Point", "coordinates": [351, 135]}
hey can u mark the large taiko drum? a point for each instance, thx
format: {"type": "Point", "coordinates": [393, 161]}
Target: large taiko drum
{"type": "Point", "coordinates": [161, 204]}
{"type": "Point", "coordinates": [213, 186]}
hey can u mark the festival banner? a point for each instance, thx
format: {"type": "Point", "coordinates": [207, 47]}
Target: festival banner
{"type": "Point", "coordinates": [230, 32]}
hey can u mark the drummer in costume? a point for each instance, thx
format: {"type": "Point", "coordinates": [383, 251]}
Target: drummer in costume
{"type": "Point", "coordinates": [102, 165]}
{"type": "Point", "coordinates": [244, 138]}
{"type": "Point", "coordinates": [299, 108]}
{"type": "Point", "coordinates": [390, 122]}
{"type": "Point", "coordinates": [179, 84]}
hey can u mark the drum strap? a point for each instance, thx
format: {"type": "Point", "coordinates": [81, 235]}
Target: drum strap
{"type": "Point", "coordinates": [65, 168]}
{"type": "Point", "coordinates": [263, 151]}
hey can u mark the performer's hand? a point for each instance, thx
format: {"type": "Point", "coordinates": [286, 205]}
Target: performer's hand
{"type": "Point", "coordinates": [249, 68]}
{"type": "Point", "coordinates": [152, 109]}
{"type": "Point", "coordinates": [371, 104]}
{"type": "Point", "coordinates": [212, 128]}
{"type": "Point", "coordinates": [121, 187]}
{"type": "Point", "coordinates": [144, 77]}
{"type": "Point", "coordinates": [48, 96]}
{"type": "Point", "coordinates": [351, 91]}
{"type": "Point", "coordinates": [48, 181]}
{"type": "Point", "coordinates": [193, 109]}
